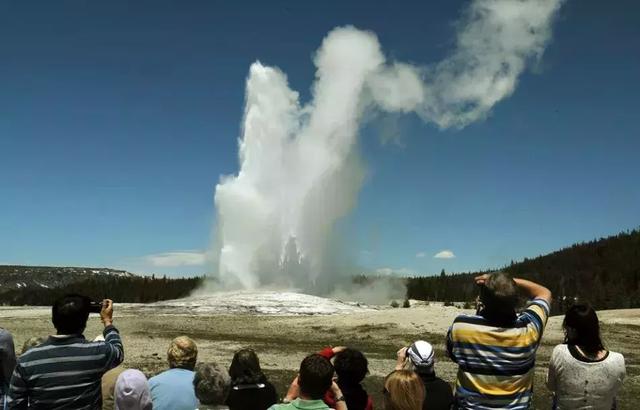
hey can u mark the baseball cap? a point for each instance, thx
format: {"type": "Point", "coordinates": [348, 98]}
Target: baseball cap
{"type": "Point", "coordinates": [421, 355]}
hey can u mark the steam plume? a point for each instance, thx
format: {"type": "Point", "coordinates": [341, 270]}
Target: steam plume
{"type": "Point", "coordinates": [299, 165]}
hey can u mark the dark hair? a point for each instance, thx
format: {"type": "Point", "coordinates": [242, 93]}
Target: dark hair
{"type": "Point", "coordinates": [582, 328]}
{"type": "Point", "coordinates": [499, 295]}
{"type": "Point", "coordinates": [315, 376]}
{"type": "Point", "coordinates": [351, 366]}
{"type": "Point", "coordinates": [245, 368]}
{"type": "Point", "coordinates": [69, 314]}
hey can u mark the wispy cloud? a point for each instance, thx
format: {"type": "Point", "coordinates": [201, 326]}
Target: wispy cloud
{"type": "Point", "coordinates": [396, 271]}
{"type": "Point", "coordinates": [176, 258]}
{"type": "Point", "coordinates": [420, 255]}
{"type": "Point", "coordinates": [444, 254]}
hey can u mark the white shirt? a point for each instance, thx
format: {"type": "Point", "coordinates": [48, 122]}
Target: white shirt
{"type": "Point", "coordinates": [580, 384]}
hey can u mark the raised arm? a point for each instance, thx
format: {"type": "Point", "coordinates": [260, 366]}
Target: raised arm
{"type": "Point", "coordinates": [113, 343]}
{"type": "Point", "coordinates": [534, 290]}
{"type": "Point", "coordinates": [531, 289]}
{"type": "Point", "coordinates": [341, 404]}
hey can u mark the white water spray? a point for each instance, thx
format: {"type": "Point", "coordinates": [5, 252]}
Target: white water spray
{"type": "Point", "coordinates": [299, 166]}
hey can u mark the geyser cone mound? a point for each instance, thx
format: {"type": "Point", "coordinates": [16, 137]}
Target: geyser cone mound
{"type": "Point", "coordinates": [260, 302]}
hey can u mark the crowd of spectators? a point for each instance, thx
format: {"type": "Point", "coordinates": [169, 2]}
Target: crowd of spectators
{"type": "Point", "coordinates": [494, 349]}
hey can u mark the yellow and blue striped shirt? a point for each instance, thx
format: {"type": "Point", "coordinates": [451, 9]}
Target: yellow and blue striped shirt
{"type": "Point", "coordinates": [496, 364]}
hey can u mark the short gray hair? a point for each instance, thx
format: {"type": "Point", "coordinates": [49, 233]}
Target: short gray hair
{"type": "Point", "coordinates": [211, 383]}
{"type": "Point", "coordinates": [500, 292]}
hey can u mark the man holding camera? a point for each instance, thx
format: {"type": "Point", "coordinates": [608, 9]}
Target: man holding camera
{"type": "Point", "coordinates": [65, 372]}
{"type": "Point", "coordinates": [495, 349]}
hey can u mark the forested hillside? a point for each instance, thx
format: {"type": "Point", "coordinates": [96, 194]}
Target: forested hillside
{"type": "Point", "coordinates": [604, 272]}
{"type": "Point", "coordinates": [28, 285]}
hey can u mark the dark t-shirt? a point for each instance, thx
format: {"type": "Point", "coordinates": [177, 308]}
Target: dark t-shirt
{"type": "Point", "coordinates": [258, 396]}
{"type": "Point", "coordinates": [439, 394]}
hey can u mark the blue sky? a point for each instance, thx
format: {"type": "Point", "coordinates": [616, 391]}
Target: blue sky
{"type": "Point", "coordinates": [117, 119]}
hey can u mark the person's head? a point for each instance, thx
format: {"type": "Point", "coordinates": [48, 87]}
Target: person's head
{"type": "Point", "coordinates": [351, 366]}
{"type": "Point", "coordinates": [315, 376]}
{"type": "Point", "coordinates": [499, 295]}
{"type": "Point", "coordinates": [132, 391]}
{"type": "Point", "coordinates": [69, 314]}
{"type": "Point", "coordinates": [211, 383]}
{"type": "Point", "coordinates": [581, 328]}
{"type": "Point", "coordinates": [245, 368]}
{"type": "Point", "coordinates": [31, 343]}
{"type": "Point", "coordinates": [182, 353]}
{"type": "Point", "coordinates": [420, 357]}
{"type": "Point", "coordinates": [403, 390]}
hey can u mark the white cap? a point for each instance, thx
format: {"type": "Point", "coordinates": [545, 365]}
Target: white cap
{"type": "Point", "coordinates": [422, 356]}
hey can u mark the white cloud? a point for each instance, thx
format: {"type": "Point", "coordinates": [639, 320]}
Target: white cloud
{"type": "Point", "coordinates": [420, 255]}
{"type": "Point", "coordinates": [445, 254]}
{"type": "Point", "coordinates": [177, 258]}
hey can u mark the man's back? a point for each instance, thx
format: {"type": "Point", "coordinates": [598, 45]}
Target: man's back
{"type": "Point", "coordinates": [298, 404]}
{"type": "Point", "coordinates": [496, 363]}
{"type": "Point", "coordinates": [64, 372]}
{"type": "Point", "coordinates": [173, 390]}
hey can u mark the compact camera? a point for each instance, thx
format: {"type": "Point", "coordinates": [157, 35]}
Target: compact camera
{"type": "Point", "coordinates": [95, 307]}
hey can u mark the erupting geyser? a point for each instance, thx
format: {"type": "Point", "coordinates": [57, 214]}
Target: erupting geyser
{"type": "Point", "coordinates": [299, 165]}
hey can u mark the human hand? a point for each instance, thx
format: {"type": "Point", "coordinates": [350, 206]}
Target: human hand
{"type": "Point", "coordinates": [482, 279]}
{"type": "Point", "coordinates": [401, 358]}
{"type": "Point", "coordinates": [106, 314]}
{"type": "Point", "coordinates": [294, 390]}
{"type": "Point", "coordinates": [338, 349]}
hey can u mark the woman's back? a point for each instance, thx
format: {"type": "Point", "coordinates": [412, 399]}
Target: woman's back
{"type": "Point", "coordinates": [256, 396]}
{"type": "Point", "coordinates": [583, 383]}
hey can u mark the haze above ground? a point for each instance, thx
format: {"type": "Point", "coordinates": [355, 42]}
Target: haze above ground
{"type": "Point", "coordinates": [116, 121]}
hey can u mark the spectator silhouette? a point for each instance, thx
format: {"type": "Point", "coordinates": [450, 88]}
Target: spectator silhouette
{"type": "Point", "coordinates": [420, 358]}
{"type": "Point", "coordinates": [108, 384]}
{"type": "Point", "coordinates": [582, 373]}
{"type": "Point", "coordinates": [173, 388]}
{"type": "Point", "coordinates": [132, 391]}
{"type": "Point", "coordinates": [495, 349]}
{"type": "Point", "coordinates": [351, 366]}
{"type": "Point", "coordinates": [311, 384]}
{"type": "Point", "coordinates": [65, 371]}
{"type": "Point", "coordinates": [7, 363]}
{"type": "Point", "coordinates": [250, 389]}
{"type": "Point", "coordinates": [211, 383]}
{"type": "Point", "coordinates": [403, 390]}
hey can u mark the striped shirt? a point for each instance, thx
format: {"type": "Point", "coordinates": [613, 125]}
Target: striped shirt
{"type": "Point", "coordinates": [496, 364]}
{"type": "Point", "coordinates": [64, 372]}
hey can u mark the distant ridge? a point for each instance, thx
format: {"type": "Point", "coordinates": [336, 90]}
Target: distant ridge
{"type": "Point", "coordinates": [20, 276]}
{"type": "Point", "coordinates": [41, 285]}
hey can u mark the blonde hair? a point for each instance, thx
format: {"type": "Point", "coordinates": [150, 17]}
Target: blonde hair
{"type": "Point", "coordinates": [182, 353]}
{"type": "Point", "coordinates": [403, 390]}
